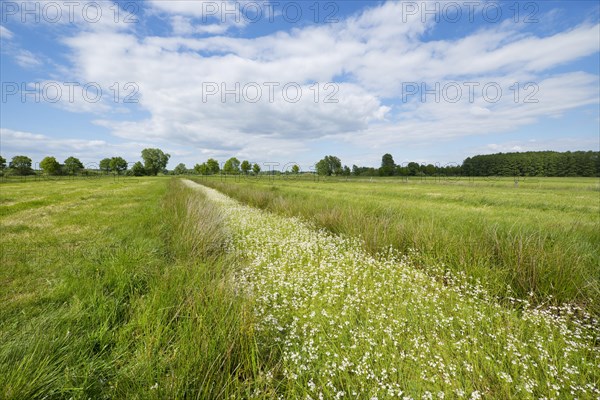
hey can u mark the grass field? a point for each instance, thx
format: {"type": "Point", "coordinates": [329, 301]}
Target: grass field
{"type": "Point", "coordinates": [152, 288]}
{"type": "Point", "coordinates": [114, 289]}
{"type": "Point", "coordinates": [542, 237]}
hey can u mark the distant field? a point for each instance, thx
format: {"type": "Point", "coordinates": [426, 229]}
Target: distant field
{"type": "Point", "coordinates": [541, 236]}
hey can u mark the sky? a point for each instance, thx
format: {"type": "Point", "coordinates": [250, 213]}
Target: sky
{"type": "Point", "coordinates": [292, 81]}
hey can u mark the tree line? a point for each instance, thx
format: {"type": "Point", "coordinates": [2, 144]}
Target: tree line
{"type": "Point", "coordinates": [233, 166]}
{"type": "Point", "coordinates": [332, 166]}
{"type": "Point", "coordinates": [532, 163]}
{"type": "Point", "coordinates": [155, 161]}
{"type": "Point", "coordinates": [541, 163]}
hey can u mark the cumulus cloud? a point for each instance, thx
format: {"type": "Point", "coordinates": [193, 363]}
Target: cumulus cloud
{"type": "Point", "coordinates": [427, 121]}
{"type": "Point", "coordinates": [189, 17]}
{"type": "Point", "coordinates": [370, 57]}
{"type": "Point", "coordinates": [193, 8]}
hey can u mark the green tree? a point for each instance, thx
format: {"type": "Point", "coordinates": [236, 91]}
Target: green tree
{"type": "Point", "coordinates": [533, 163]}
{"type": "Point", "coordinates": [585, 163]}
{"type": "Point", "coordinates": [155, 160]}
{"type": "Point", "coordinates": [329, 165]}
{"type": "Point", "coordinates": [246, 167]}
{"type": "Point", "coordinates": [256, 169]}
{"type": "Point", "coordinates": [346, 171]}
{"type": "Point", "coordinates": [180, 169]}
{"type": "Point", "coordinates": [388, 166]}
{"type": "Point", "coordinates": [232, 166]}
{"type": "Point", "coordinates": [2, 163]}
{"type": "Point", "coordinates": [50, 166]}
{"type": "Point", "coordinates": [21, 165]}
{"type": "Point", "coordinates": [105, 165]}
{"type": "Point", "coordinates": [72, 165]}
{"type": "Point", "coordinates": [413, 168]}
{"type": "Point", "coordinates": [138, 169]}
{"type": "Point", "coordinates": [401, 171]}
{"type": "Point", "coordinates": [430, 169]}
{"type": "Point", "coordinates": [201, 169]}
{"type": "Point", "coordinates": [295, 169]}
{"type": "Point", "coordinates": [117, 165]}
{"type": "Point", "coordinates": [213, 166]}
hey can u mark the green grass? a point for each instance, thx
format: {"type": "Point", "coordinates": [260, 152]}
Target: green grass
{"type": "Point", "coordinates": [542, 238]}
{"type": "Point", "coordinates": [350, 325]}
{"type": "Point", "coordinates": [118, 290]}
{"type": "Point", "coordinates": [149, 288]}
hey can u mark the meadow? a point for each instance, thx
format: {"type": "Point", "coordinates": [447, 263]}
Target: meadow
{"type": "Point", "coordinates": [538, 239]}
{"type": "Point", "coordinates": [162, 288]}
{"type": "Point", "coordinates": [114, 289]}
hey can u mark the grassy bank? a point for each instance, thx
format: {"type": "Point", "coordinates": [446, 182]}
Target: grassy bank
{"type": "Point", "coordinates": [118, 290]}
{"type": "Point", "coordinates": [541, 237]}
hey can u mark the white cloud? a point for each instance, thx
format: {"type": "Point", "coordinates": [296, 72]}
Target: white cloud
{"type": "Point", "coordinates": [424, 122]}
{"type": "Point", "coordinates": [190, 17]}
{"type": "Point", "coordinates": [373, 52]}
{"type": "Point", "coordinates": [5, 34]}
{"type": "Point", "coordinates": [561, 144]}
{"type": "Point", "coordinates": [183, 26]}
{"type": "Point", "coordinates": [483, 53]}
{"type": "Point", "coordinates": [194, 8]}
{"type": "Point", "coordinates": [27, 59]}
{"type": "Point", "coordinates": [37, 146]}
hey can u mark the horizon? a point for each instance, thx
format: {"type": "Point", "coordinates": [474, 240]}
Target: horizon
{"type": "Point", "coordinates": [274, 166]}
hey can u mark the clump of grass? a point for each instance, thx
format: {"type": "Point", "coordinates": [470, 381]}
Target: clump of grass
{"type": "Point", "coordinates": [191, 327]}
{"type": "Point", "coordinates": [193, 226]}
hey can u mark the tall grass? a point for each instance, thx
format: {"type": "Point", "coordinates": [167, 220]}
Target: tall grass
{"type": "Point", "coordinates": [120, 290]}
{"type": "Point", "coordinates": [134, 290]}
{"type": "Point", "coordinates": [191, 329]}
{"type": "Point", "coordinates": [350, 325]}
{"type": "Point", "coordinates": [535, 239]}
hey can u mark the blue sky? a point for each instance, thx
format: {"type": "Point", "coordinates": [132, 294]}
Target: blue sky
{"type": "Point", "coordinates": [431, 82]}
